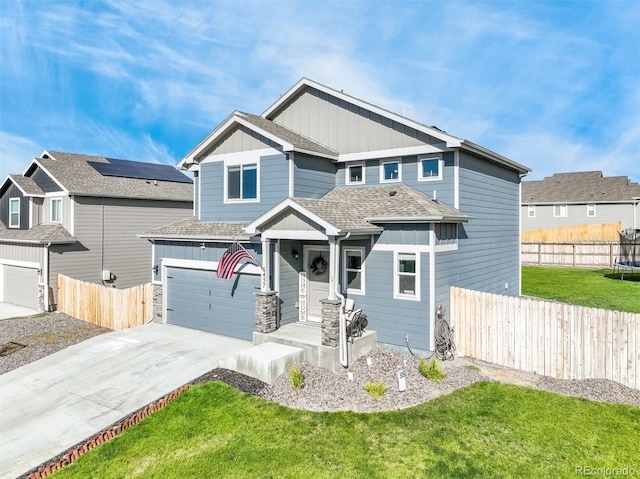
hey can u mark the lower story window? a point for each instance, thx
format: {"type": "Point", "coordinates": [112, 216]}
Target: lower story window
{"type": "Point", "coordinates": [407, 279]}
{"type": "Point", "coordinates": [353, 276]}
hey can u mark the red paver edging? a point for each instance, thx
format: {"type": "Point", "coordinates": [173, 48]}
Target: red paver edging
{"type": "Point", "coordinates": [104, 436]}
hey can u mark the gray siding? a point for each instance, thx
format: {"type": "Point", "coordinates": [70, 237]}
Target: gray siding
{"type": "Point", "coordinates": [274, 186]}
{"type": "Point", "coordinates": [14, 192]}
{"type": "Point", "coordinates": [489, 245]}
{"type": "Point", "coordinates": [22, 252]}
{"type": "Point", "coordinates": [289, 275]}
{"type": "Point", "coordinates": [414, 234]}
{"type": "Point", "coordinates": [606, 213]}
{"type": "Point", "coordinates": [44, 181]}
{"type": "Point", "coordinates": [193, 251]}
{"type": "Point", "coordinates": [106, 235]}
{"type": "Point", "coordinates": [313, 177]}
{"type": "Point", "coordinates": [345, 127]}
{"type": "Point", "coordinates": [196, 193]}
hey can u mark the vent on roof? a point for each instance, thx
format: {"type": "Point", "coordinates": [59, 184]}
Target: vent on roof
{"type": "Point", "coordinates": [136, 169]}
{"type": "Point", "coordinates": [393, 193]}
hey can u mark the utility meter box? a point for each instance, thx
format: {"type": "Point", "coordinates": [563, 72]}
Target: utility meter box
{"type": "Point", "coordinates": [107, 275]}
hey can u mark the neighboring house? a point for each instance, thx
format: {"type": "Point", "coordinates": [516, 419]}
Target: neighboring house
{"type": "Point", "coordinates": [569, 199]}
{"type": "Point", "coordinates": [79, 215]}
{"type": "Point", "coordinates": [334, 196]}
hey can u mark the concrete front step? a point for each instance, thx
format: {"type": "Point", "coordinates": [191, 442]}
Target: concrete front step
{"type": "Point", "coordinates": [265, 361]}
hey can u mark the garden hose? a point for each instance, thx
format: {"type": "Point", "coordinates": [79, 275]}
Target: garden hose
{"type": "Point", "coordinates": [445, 346]}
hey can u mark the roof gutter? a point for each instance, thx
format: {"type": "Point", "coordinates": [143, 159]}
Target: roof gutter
{"type": "Point", "coordinates": [419, 219]}
{"type": "Point", "coordinates": [503, 160]}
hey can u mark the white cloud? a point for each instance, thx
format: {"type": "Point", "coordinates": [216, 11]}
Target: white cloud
{"type": "Point", "coordinates": [16, 152]}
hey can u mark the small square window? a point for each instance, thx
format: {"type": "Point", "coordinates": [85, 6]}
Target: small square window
{"type": "Point", "coordinates": [355, 174]}
{"type": "Point", "coordinates": [14, 212]}
{"type": "Point", "coordinates": [429, 169]}
{"type": "Point", "coordinates": [591, 210]}
{"type": "Point", "coordinates": [390, 171]}
{"type": "Point", "coordinates": [531, 211]}
{"type": "Point", "coordinates": [242, 182]}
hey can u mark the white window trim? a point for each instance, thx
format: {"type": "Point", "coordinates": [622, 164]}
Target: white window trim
{"type": "Point", "coordinates": [531, 209]}
{"type": "Point", "coordinates": [593, 207]}
{"type": "Point", "coordinates": [430, 178]}
{"type": "Point", "coordinates": [566, 212]}
{"type": "Point", "coordinates": [347, 175]}
{"type": "Point", "coordinates": [241, 162]}
{"type": "Point", "coordinates": [11, 200]}
{"type": "Point", "coordinates": [51, 201]}
{"type": "Point", "coordinates": [344, 270]}
{"type": "Point", "coordinates": [384, 162]}
{"type": "Point", "coordinates": [396, 277]}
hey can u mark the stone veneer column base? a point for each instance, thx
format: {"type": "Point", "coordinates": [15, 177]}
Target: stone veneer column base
{"type": "Point", "coordinates": [266, 311]}
{"type": "Point", "coordinates": [156, 315]}
{"type": "Point", "coordinates": [330, 323]}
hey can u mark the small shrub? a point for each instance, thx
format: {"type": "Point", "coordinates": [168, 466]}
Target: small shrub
{"type": "Point", "coordinates": [432, 370]}
{"type": "Point", "coordinates": [295, 376]}
{"type": "Point", "coordinates": [376, 390]}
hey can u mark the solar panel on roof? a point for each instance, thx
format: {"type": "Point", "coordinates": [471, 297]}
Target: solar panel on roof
{"type": "Point", "coordinates": [136, 169]}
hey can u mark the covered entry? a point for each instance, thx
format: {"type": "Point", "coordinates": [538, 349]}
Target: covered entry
{"type": "Point", "coordinates": [197, 299]}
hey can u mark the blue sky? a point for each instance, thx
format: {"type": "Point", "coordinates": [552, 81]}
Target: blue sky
{"type": "Point", "coordinates": [552, 85]}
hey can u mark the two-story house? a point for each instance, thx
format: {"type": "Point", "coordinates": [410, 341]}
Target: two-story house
{"type": "Point", "coordinates": [580, 198]}
{"type": "Point", "coordinates": [337, 198]}
{"type": "Point", "coordinates": [79, 215]}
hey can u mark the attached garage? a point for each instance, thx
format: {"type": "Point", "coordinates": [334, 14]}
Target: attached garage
{"type": "Point", "coordinates": [20, 286]}
{"type": "Point", "coordinates": [199, 299]}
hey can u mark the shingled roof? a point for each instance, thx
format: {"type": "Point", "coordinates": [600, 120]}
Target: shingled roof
{"type": "Point", "coordinates": [39, 234]}
{"type": "Point", "coordinates": [580, 187]}
{"type": "Point", "coordinates": [75, 173]}
{"type": "Point", "coordinates": [27, 185]}
{"type": "Point", "coordinates": [191, 228]}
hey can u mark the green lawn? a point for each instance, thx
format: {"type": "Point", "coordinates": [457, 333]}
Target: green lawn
{"type": "Point", "coordinates": [486, 430]}
{"type": "Point", "coordinates": [597, 288]}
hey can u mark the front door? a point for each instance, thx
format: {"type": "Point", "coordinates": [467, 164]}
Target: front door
{"type": "Point", "coordinates": [316, 261]}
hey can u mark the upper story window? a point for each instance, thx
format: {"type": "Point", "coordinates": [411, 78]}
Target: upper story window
{"type": "Point", "coordinates": [559, 211]}
{"type": "Point", "coordinates": [531, 211]}
{"type": "Point", "coordinates": [14, 212]}
{"type": "Point", "coordinates": [429, 169]}
{"type": "Point", "coordinates": [353, 273]}
{"type": "Point", "coordinates": [591, 210]}
{"type": "Point", "coordinates": [406, 280]}
{"type": "Point", "coordinates": [56, 210]}
{"type": "Point", "coordinates": [242, 182]}
{"type": "Point", "coordinates": [390, 171]}
{"type": "Point", "coordinates": [355, 174]}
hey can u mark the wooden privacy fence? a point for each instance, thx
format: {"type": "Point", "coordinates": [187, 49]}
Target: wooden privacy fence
{"type": "Point", "coordinates": [592, 233]}
{"type": "Point", "coordinates": [544, 337]}
{"type": "Point", "coordinates": [595, 255]}
{"type": "Point", "coordinates": [108, 307]}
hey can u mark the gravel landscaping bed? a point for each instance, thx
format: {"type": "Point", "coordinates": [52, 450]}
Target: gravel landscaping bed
{"type": "Point", "coordinates": [327, 391]}
{"type": "Point", "coordinates": [41, 335]}
{"type": "Point", "coordinates": [322, 389]}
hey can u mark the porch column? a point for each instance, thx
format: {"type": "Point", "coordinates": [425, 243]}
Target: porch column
{"type": "Point", "coordinates": [266, 267]}
{"type": "Point", "coordinates": [334, 262]}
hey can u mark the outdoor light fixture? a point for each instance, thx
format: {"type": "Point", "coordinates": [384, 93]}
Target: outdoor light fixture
{"type": "Point", "coordinates": [295, 253]}
{"type": "Point", "coordinates": [155, 269]}
{"type": "Point", "coordinates": [202, 246]}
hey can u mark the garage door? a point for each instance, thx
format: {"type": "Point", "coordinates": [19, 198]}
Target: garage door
{"type": "Point", "coordinates": [20, 286]}
{"type": "Point", "coordinates": [199, 299]}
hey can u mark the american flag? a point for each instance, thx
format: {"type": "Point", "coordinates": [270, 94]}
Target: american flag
{"type": "Point", "coordinates": [230, 259]}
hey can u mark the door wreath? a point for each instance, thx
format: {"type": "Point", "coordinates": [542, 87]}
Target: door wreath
{"type": "Point", "coordinates": [318, 266]}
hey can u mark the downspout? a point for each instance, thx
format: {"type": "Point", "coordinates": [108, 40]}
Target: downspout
{"type": "Point", "coordinates": [343, 322]}
{"type": "Point", "coordinates": [45, 276]}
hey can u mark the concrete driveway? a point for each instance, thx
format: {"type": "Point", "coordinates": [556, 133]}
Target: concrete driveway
{"type": "Point", "coordinates": [8, 310]}
{"type": "Point", "coordinates": [56, 402]}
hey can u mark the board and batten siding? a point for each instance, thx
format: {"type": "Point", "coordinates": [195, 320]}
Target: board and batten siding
{"type": "Point", "coordinates": [14, 192]}
{"type": "Point", "coordinates": [240, 139]}
{"type": "Point", "coordinates": [107, 240]}
{"type": "Point", "coordinates": [23, 253]}
{"type": "Point", "coordinates": [487, 257]}
{"type": "Point", "coordinates": [606, 213]}
{"type": "Point", "coordinates": [312, 177]}
{"type": "Point", "coordinates": [273, 187]}
{"type": "Point", "coordinates": [345, 127]}
{"type": "Point", "coordinates": [45, 182]}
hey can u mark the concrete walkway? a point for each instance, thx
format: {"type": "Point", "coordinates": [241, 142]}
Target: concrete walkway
{"type": "Point", "coordinates": [52, 404]}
